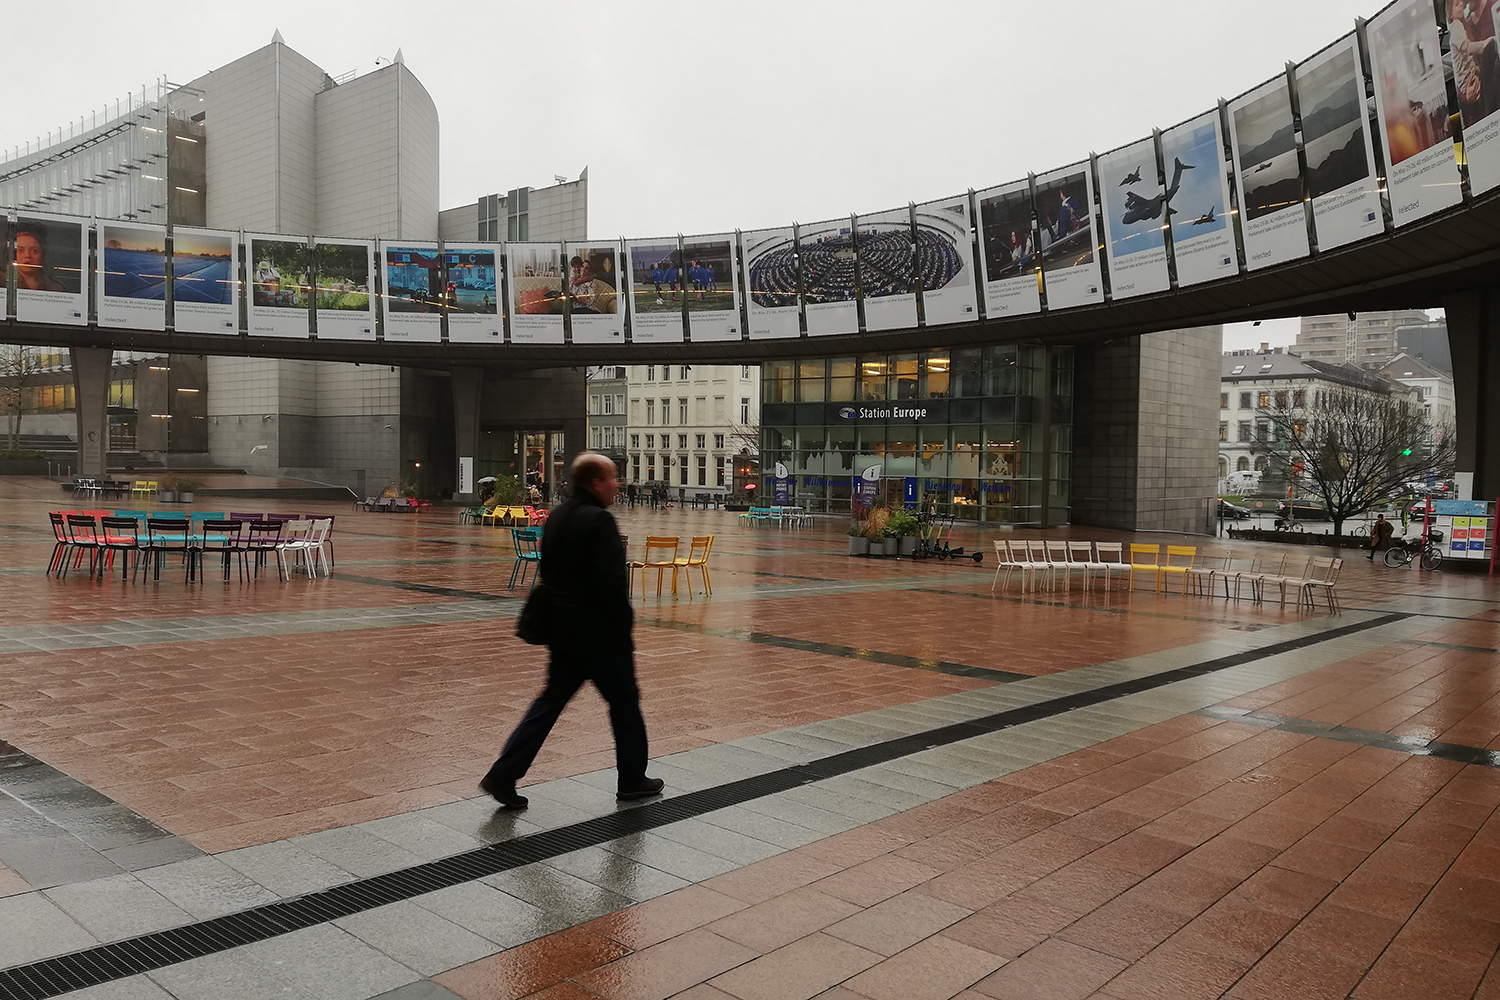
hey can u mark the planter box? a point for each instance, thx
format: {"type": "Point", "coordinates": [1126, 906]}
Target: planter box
{"type": "Point", "coordinates": [23, 467]}
{"type": "Point", "coordinates": [906, 545]}
{"type": "Point", "coordinates": [883, 547]}
{"type": "Point", "coordinates": [167, 496]}
{"type": "Point", "coordinates": [1301, 538]}
{"type": "Point", "coordinates": [859, 545]}
{"type": "Point", "coordinates": [184, 498]}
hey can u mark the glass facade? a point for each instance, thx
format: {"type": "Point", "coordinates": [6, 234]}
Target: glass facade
{"type": "Point", "coordinates": [987, 430]}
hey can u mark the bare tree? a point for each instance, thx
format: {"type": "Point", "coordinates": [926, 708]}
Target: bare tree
{"type": "Point", "coordinates": [1355, 447]}
{"type": "Point", "coordinates": [20, 367]}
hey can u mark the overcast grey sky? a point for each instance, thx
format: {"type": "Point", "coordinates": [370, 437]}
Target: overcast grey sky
{"type": "Point", "coordinates": [705, 117]}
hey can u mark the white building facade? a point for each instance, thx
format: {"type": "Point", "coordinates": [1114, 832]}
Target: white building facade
{"type": "Point", "coordinates": [687, 423]}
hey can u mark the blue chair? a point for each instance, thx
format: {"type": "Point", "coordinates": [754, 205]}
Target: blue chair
{"type": "Point", "coordinates": [528, 543]}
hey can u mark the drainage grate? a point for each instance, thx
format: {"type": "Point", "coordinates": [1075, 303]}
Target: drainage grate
{"type": "Point", "coordinates": [54, 976]}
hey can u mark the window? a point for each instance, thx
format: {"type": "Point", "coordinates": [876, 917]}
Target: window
{"type": "Point", "coordinates": [1281, 399]}
{"type": "Point", "coordinates": [596, 437]}
{"type": "Point", "coordinates": [1262, 431]}
{"type": "Point", "coordinates": [1223, 400]}
{"type": "Point", "coordinates": [1242, 464]}
{"type": "Point", "coordinates": [682, 371]}
{"type": "Point", "coordinates": [635, 467]}
{"type": "Point", "coordinates": [1244, 430]}
{"type": "Point", "coordinates": [609, 403]}
{"type": "Point", "coordinates": [593, 404]}
{"type": "Point", "coordinates": [650, 467]}
{"type": "Point", "coordinates": [1299, 398]}
{"type": "Point", "coordinates": [620, 403]}
{"type": "Point", "coordinates": [666, 412]}
{"type": "Point", "coordinates": [682, 470]}
{"type": "Point", "coordinates": [698, 440]}
{"type": "Point", "coordinates": [719, 470]}
{"type": "Point", "coordinates": [744, 371]}
{"type": "Point", "coordinates": [1223, 430]}
{"type": "Point", "coordinates": [718, 440]}
{"type": "Point", "coordinates": [1265, 398]}
{"type": "Point", "coordinates": [744, 409]}
{"type": "Point", "coordinates": [635, 440]}
{"type": "Point", "coordinates": [650, 412]}
{"type": "Point", "coordinates": [682, 440]}
{"type": "Point", "coordinates": [682, 412]}
{"type": "Point", "coordinates": [702, 466]}
{"type": "Point", "coordinates": [1244, 401]}
{"type": "Point", "coordinates": [650, 440]}
{"type": "Point", "coordinates": [650, 373]}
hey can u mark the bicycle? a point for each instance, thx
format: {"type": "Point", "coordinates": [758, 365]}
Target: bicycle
{"type": "Point", "coordinates": [1287, 524]}
{"type": "Point", "coordinates": [1429, 548]}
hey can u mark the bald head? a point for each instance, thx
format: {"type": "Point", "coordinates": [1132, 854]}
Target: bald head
{"type": "Point", "coordinates": [596, 474]}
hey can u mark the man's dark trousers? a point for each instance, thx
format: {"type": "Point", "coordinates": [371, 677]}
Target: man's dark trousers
{"type": "Point", "coordinates": [613, 675]}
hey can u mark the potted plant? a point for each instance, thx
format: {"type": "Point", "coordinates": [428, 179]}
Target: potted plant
{"type": "Point", "coordinates": [185, 488]}
{"type": "Point", "coordinates": [166, 489]}
{"type": "Point", "coordinates": [903, 528]}
{"type": "Point", "coordinates": [881, 544]}
{"type": "Point", "coordinates": [859, 542]}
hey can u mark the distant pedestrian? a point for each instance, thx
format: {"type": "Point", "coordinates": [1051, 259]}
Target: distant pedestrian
{"type": "Point", "coordinates": [1380, 536]}
{"type": "Point", "coordinates": [588, 634]}
{"type": "Point", "coordinates": [630, 492]}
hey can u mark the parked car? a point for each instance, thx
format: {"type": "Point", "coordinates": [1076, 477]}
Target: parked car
{"type": "Point", "coordinates": [1232, 511]}
{"type": "Point", "coordinates": [1301, 510]}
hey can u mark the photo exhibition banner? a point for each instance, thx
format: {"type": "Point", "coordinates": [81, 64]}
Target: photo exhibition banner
{"type": "Point", "coordinates": [1202, 233]}
{"type": "Point", "coordinates": [1007, 251]}
{"type": "Point", "coordinates": [280, 286]}
{"type": "Point", "coordinates": [1476, 76]}
{"type": "Point", "coordinates": [770, 261]}
{"type": "Point", "coordinates": [656, 301]}
{"type": "Point", "coordinates": [344, 271]}
{"type": "Point", "coordinates": [826, 250]}
{"type": "Point", "coordinates": [886, 278]}
{"type": "Point", "coordinates": [132, 276]}
{"type": "Point", "coordinates": [414, 291]}
{"type": "Point", "coordinates": [205, 280]}
{"type": "Point", "coordinates": [1135, 217]}
{"type": "Point", "coordinates": [945, 261]}
{"type": "Point", "coordinates": [476, 311]}
{"type": "Point", "coordinates": [1273, 221]}
{"type": "Point", "coordinates": [712, 290]}
{"type": "Point", "coordinates": [1065, 228]}
{"type": "Point", "coordinates": [536, 290]}
{"type": "Point", "coordinates": [593, 292]}
{"type": "Point", "coordinates": [1336, 143]}
{"type": "Point", "coordinates": [51, 256]}
{"type": "Point", "coordinates": [1411, 103]}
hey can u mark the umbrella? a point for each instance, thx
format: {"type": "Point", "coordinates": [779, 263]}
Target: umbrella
{"type": "Point", "coordinates": [487, 479]}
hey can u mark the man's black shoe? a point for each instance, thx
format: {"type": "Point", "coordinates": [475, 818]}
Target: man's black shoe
{"type": "Point", "coordinates": [503, 792]}
{"type": "Point", "coordinates": [647, 788]}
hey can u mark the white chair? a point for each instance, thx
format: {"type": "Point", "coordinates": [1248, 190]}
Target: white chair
{"type": "Point", "coordinates": [1003, 561]}
{"type": "Point", "coordinates": [1211, 567]}
{"type": "Point", "coordinates": [1060, 558]}
{"type": "Point", "coordinates": [1111, 556]}
{"type": "Point", "coordinates": [1318, 569]}
{"type": "Point", "coordinates": [1036, 557]}
{"type": "Point", "coordinates": [1327, 585]}
{"type": "Point", "coordinates": [321, 527]}
{"type": "Point", "coordinates": [1081, 554]}
{"type": "Point", "coordinates": [294, 536]}
{"type": "Point", "coordinates": [1280, 578]}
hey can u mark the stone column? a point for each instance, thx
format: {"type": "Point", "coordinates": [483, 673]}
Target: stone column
{"type": "Point", "coordinates": [91, 368]}
{"type": "Point", "coordinates": [468, 386]}
{"type": "Point", "coordinates": [1473, 326]}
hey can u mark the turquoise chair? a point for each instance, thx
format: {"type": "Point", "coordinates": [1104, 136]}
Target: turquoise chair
{"type": "Point", "coordinates": [528, 543]}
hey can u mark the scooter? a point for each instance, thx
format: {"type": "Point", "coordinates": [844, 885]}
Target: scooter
{"type": "Point", "coordinates": [935, 541]}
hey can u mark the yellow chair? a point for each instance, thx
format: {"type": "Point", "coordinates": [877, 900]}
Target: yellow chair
{"type": "Point", "coordinates": [698, 552]}
{"type": "Point", "coordinates": [1174, 564]}
{"type": "Point", "coordinates": [1138, 564]}
{"type": "Point", "coordinates": [661, 555]}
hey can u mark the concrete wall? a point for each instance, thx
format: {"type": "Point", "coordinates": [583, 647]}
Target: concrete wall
{"type": "Point", "coordinates": [1145, 431]}
{"type": "Point", "coordinates": [459, 224]}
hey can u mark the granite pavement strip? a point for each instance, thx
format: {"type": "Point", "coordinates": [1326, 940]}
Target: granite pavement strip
{"type": "Point", "coordinates": [889, 882]}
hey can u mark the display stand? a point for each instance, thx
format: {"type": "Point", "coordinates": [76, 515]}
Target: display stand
{"type": "Point", "coordinates": [1468, 528]}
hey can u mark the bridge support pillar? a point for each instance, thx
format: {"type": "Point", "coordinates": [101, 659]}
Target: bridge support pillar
{"type": "Point", "coordinates": [91, 369]}
{"type": "Point", "coordinates": [468, 394]}
{"type": "Point", "coordinates": [1474, 338]}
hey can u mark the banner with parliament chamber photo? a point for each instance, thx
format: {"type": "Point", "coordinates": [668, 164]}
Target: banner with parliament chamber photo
{"type": "Point", "coordinates": [475, 307]}
{"type": "Point", "coordinates": [1065, 229]}
{"type": "Point", "coordinates": [1273, 221]}
{"type": "Point", "coordinates": [205, 281]}
{"type": "Point", "coordinates": [770, 265]}
{"type": "Point", "coordinates": [1203, 247]}
{"type": "Point", "coordinates": [343, 273]}
{"type": "Point", "coordinates": [825, 251]}
{"type": "Point", "coordinates": [51, 254]}
{"type": "Point", "coordinates": [280, 273]}
{"type": "Point", "coordinates": [1411, 103]}
{"type": "Point", "coordinates": [885, 250]}
{"type": "Point", "coordinates": [1008, 252]}
{"type": "Point", "coordinates": [132, 276]}
{"type": "Point", "coordinates": [945, 261]}
{"type": "Point", "coordinates": [534, 271]}
{"type": "Point", "coordinates": [1341, 179]}
{"type": "Point", "coordinates": [414, 291]}
{"type": "Point", "coordinates": [1135, 217]}
{"type": "Point", "coordinates": [711, 288]}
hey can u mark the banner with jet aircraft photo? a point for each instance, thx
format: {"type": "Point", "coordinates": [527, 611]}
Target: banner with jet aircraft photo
{"type": "Point", "coordinates": [1273, 221]}
{"type": "Point", "coordinates": [1008, 251]}
{"type": "Point", "coordinates": [1411, 102]}
{"type": "Point", "coordinates": [885, 245]}
{"type": "Point", "coordinates": [1136, 207]}
{"type": "Point", "coordinates": [1341, 179]}
{"type": "Point", "coordinates": [1065, 230]}
{"type": "Point", "coordinates": [826, 252]}
{"type": "Point", "coordinates": [770, 264]}
{"type": "Point", "coordinates": [945, 261]}
{"type": "Point", "coordinates": [1202, 231]}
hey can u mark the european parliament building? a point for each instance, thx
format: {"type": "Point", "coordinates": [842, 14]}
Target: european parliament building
{"type": "Point", "coordinates": [272, 143]}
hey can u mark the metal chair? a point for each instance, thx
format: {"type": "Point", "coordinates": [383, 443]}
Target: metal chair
{"type": "Point", "coordinates": [120, 534]}
{"type": "Point", "coordinates": [1138, 564]}
{"type": "Point", "coordinates": [698, 552]}
{"type": "Point", "coordinates": [528, 542]}
{"type": "Point", "coordinates": [169, 534]}
{"type": "Point", "coordinates": [1175, 553]}
{"type": "Point", "coordinates": [262, 540]}
{"type": "Point", "coordinates": [83, 535]}
{"type": "Point", "coordinates": [661, 555]}
{"type": "Point", "coordinates": [227, 539]}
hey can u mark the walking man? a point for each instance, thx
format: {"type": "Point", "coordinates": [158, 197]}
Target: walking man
{"type": "Point", "coordinates": [583, 567]}
{"type": "Point", "coordinates": [1380, 536]}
